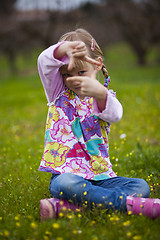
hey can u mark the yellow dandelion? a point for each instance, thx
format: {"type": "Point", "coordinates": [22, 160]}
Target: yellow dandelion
{"type": "Point", "coordinates": [0, 218]}
{"type": "Point", "coordinates": [61, 214]}
{"type": "Point", "coordinates": [47, 233]}
{"type": "Point", "coordinates": [61, 193]}
{"type": "Point", "coordinates": [93, 222]}
{"type": "Point", "coordinates": [94, 238]}
{"type": "Point", "coordinates": [111, 219]}
{"type": "Point", "coordinates": [127, 223]}
{"type": "Point", "coordinates": [129, 234]}
{"type": "Point", "coordinates": [85, 193]}
{"type": "Point", "coordinates": [33, 225]}
{"type": "Point", "coordinates": [55, 225]}
{"type": "Point", "coordinates": [18, 224]}
{"type": "Point", "coordinates": [129, 212]}
{"type": "Point", "coordinates": [84, 184]}
{"type": "Point", "coordinates": [79, 215]}
{"type": "Point", "coordinates": [45, 238]}
{"type": "Point", "coordinates": [64, 208]}
{"type": "Point", "coordinates": [59, 238]}
{"type": "Point", "coordinates": [61, 203]}
{"type": "Point", "coordinates": [110, 203]}
{"type": "Point", "coordinates": [16, 217]}
{"type": "Point", "coordinates": [121, 197]}
{"type": "Point", "coordinates": [6, 233]}
{"type": "Point", "coordinates": [74, 231]}
{"type": "Point", "coordinates": [138, 237]}
{"type": "Point", "coordinates": [77, 210]}
{"type": "Point", "coordinates": [116, 218]}
{"type": "Point", "coordinates": [69, 216]}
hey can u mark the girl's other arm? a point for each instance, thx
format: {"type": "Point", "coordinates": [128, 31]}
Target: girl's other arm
{"type": "Point", "coordinates": [113, 110]}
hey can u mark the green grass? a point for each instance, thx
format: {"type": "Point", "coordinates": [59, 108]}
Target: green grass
{"type": "Point", "coordinates": [22, 124]}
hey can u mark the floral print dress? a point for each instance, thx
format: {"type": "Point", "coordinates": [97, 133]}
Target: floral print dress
{"type": "Point", "coordinates": [76, 140]}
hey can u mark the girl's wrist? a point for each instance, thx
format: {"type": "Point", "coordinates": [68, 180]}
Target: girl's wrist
{"type": "Point", "coordinates": [101, 98]}
{"type": "Point", "coordinates": [60, 51]}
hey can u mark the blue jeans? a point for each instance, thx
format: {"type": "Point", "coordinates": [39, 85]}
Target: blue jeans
{"type": "Point", "coordinates": [111, 192]}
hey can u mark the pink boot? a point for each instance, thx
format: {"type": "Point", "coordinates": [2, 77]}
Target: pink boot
{"type": "Point", "coordinates": [149, 207]}
{"type": "Point", "coordinates": [51, 207]}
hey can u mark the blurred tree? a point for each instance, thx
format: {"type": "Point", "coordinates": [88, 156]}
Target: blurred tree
{"type": "Point", "coordinates": [138, 22]}
{"type": "Point", "coordinates": [135, 21]}
{"type": "Point", "coordinates": [6, 6]}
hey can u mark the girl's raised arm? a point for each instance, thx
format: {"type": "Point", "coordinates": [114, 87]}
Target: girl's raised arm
{"type": "Point", "coordinates": [48, 67]}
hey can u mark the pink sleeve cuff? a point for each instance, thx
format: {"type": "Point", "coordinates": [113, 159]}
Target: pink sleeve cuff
{"type": "Point", "coordinates": [113, 110]}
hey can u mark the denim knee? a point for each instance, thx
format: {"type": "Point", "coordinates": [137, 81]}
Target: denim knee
{"type": "Point", "coordinates": [144, 190]}
{"type": "Point", "coordinates": [64, 183]}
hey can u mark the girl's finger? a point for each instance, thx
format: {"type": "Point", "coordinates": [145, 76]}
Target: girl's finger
{"type": "Point", "coordinates": [81, 45]}
{"type": "Point", "coordinates": [91, 60]}
{"type": "Point", "coordinates": [79, 54]}
{"type": "Point", "coordinates": [71, 63]}
{"type": "Point", "coordinates": [77, 79]}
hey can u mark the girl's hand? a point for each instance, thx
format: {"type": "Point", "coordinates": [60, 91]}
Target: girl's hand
{"type": "Point", "coordinates": [89, 87]}
{"type": "Point", "coordinates": [74, 50]}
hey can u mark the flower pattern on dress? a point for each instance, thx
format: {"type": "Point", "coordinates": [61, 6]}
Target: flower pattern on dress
{"type": "Point", "coordinates": [77, 166]}
{"type": "Point", "coordinates": [83, 110]}
{"type": "Point", "coordinates": [61, 132]}
{"type": "Point", "coordinates": [78, 150]}
{"type": "Point", "coordinates": [90, 127]}
{"type": "Point", "coordinates": [99, 164]}
{"type": "Point", "coordinates": [76, 141]}
{"type": "Point", "coordinates": [54, 154]}
{"type": "Point", "coordinates": [53, 114]}
{"type": "Point", "coordinates": [67, 107]}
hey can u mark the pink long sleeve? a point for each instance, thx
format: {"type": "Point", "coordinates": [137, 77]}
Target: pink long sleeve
{"type": "Point", "coordinates": [113, 110]}
{"type": "Point", "coordinates": [48, 67]}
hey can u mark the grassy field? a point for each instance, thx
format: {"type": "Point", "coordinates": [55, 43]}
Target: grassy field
{"type": "Point", "coordinates": [22, 124]}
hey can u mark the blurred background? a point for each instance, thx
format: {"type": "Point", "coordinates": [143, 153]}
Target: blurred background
{"type": "Point", "coordinates": [27, 25]}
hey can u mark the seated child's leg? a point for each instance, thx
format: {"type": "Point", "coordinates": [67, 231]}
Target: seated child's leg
{"type": "Point", "coordinates": [51, 208]}
{"type": "Point", "coordinates": [81, 191]}
{"type": "Point", "coordinates": [130, 186]}
{"type": "Point", "coordinates": [72, 187]}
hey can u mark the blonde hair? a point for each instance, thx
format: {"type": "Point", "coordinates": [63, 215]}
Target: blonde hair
{"type": "Point", "coordinates": [84, 36]}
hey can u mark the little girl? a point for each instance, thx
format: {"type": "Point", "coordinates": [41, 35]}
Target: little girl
{"type": "Point", "coordinates": [76, 149]}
